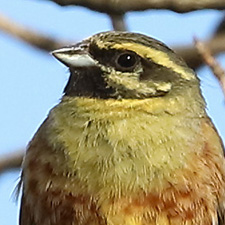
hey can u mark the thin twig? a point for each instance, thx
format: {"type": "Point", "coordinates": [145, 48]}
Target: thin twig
{"type": "Point", "coordinates": [217, 70]}
{"type": "Point", "coordinates": [11, 161]}
{"type": "Point", "coordinates": [31, 37]}
{"type": "Point", "coordinates": [118, 22]}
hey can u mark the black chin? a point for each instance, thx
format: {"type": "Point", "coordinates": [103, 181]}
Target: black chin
{"type": "Point", "coordinates": [87, 82]}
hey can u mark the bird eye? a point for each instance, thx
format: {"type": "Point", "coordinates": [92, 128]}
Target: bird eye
{"type": "Point", "coordinates": [126, 61]}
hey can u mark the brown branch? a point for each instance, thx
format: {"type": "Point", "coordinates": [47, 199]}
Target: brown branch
{"type": "Point", "coordinates": [216, 45]}
{"type": "Point", "coordinates": [118, 22]}
{"type": "Point", "coordinates": [31, 37]}
{"type": "Point", "coordinates": [217, 70]}
{"type": "Point", "coordinates": [122, 6]}
{"type": "Point", "coordinates": [11, 161]}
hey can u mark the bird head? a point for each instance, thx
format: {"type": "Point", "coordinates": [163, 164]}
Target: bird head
{"type": "Point", "coordinates": [124, 65]}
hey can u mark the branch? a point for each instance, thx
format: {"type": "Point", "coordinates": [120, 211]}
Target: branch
{"type": "Point", "coordinates": [216, 45]}
{"type": "Point", "coordinates": [118, 22]}
{"type": "Point", "coordinates": [31, 37]}
{"type": "Point", "coordinates": [217, 70]}
{"type": "Point", "coordinates": [11, 161]}
{"type": "Point", "coordinates": [122, 6]}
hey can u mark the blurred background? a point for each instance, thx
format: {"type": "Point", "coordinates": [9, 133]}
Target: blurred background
{"type": "Point", "coordinates": [32, 81]}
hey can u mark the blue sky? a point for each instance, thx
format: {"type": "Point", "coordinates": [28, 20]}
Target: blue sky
{"type": "Point", "coordinates": [32, 81]}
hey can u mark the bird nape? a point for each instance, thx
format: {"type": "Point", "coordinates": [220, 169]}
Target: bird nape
{"type": "Point", "coordinates": [130, 142]}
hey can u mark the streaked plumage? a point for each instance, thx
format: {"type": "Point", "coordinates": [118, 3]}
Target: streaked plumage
{"type": "Point", "coordinates": [130, 142]}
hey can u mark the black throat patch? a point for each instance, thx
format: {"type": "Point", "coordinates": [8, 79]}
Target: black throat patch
{"type": "Point", "coordinates": [87, 82]}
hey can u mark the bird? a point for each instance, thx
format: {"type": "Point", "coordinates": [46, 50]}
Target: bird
{"type": "Point", "coordinates": [130, 142]}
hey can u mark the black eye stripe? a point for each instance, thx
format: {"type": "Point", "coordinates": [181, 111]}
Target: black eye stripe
{"type": "Point", "coordinates": [121, 60]}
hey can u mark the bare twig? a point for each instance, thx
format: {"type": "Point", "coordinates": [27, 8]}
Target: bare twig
{"type": "Point", "coordinates": [11, 161]}
{"type": "Point", "coordinates": [122, 6]}
{"type": "Point", "coordinates": [217, 70]}
{"type": "Point", "coordinates": [31, 37]}
{"type": "Point", "coordinates": [216, 45]}
{"type": "Point", "coordinates": [118, 22]}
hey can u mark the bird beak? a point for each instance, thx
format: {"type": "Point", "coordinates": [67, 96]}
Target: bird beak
{"type": "Point", "coordinates": [74, 56]}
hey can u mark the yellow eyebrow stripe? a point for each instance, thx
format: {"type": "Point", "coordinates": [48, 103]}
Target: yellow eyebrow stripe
{"type": "Point", "coordinates": [159, 57]}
